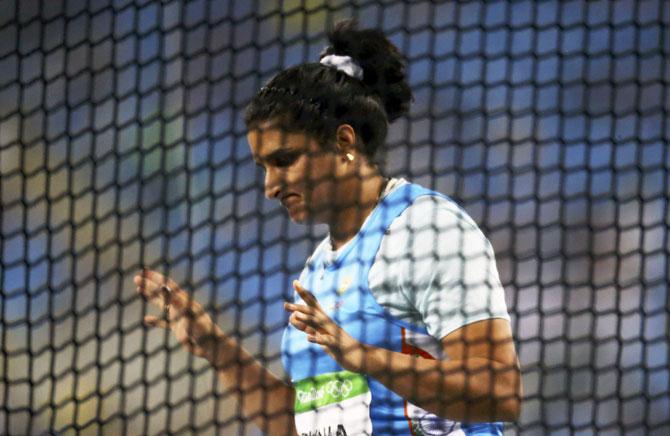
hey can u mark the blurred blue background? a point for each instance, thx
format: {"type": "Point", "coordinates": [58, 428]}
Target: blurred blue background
{"type": "Point", "coordinates": [122, 145]}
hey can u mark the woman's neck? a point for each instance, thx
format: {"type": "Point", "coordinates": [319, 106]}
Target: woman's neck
{"type": "Point", "coordinates": [348, 221]}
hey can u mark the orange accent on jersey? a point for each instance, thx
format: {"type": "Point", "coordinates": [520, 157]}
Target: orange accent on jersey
{"type": "Point", "coordinates": [409, 420]}
{"type": "Point", "coordinates": [408, 348]}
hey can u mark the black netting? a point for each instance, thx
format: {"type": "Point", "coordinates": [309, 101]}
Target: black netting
{"type": "Point", "coordinates": [122, 145]}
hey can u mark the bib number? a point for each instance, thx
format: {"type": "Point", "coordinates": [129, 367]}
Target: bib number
{"type": "Point", "coordinates": [333, 404]}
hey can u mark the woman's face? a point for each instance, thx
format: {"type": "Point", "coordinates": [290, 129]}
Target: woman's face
{"type": "Point", "coordinates": [299, 172]}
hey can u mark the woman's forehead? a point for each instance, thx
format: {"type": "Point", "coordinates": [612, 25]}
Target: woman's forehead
{"type": "Point", "coordinates": [266, 141]}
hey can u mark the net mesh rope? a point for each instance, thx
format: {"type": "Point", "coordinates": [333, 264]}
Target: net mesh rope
{"type": "Point", "coordinates": [122, 145]}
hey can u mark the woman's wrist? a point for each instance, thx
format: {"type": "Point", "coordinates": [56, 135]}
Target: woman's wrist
{"type": "Point", "coordinates": [218, 352]}
{"type": "Point", "coordinates": [374, 363]}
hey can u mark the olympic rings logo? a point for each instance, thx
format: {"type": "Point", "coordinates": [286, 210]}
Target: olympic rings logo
{"type": "Point", "coordinates": [339, 388]}
{"type": "Point", "coordinates": [335, 389]}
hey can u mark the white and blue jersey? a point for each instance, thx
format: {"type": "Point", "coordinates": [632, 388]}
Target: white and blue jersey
{"type": "Point", "coordinates": [332, 401]}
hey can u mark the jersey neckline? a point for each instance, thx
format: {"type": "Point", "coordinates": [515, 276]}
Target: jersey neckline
{"type": "Point", "coordinates": [331, 256]}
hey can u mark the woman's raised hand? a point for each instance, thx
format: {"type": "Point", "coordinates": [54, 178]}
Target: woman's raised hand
{"type": "Point", "coordinates": [321, 329]}
{"type": "Point", "coordinates": [184, 316]}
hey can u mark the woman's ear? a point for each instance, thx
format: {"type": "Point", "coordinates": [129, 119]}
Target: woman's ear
{"type": "Point", "coordinates": [346, 141]}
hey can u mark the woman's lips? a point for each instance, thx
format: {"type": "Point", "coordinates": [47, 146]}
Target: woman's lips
{"type": "Point", "coordinates": [289, 200]}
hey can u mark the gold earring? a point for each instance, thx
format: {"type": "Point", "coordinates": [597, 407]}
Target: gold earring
{"type": "Point", "coordinates": [350, 157]}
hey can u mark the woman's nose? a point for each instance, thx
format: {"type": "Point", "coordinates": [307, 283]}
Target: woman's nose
{"type": "Point", "coordinates": [272, 184]}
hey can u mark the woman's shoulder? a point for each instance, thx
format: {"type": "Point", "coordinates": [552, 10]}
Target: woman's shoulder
{"type": "Point", "coordinates": [432, 226]}
{"type": "Point", "coordinates": [432, 209]}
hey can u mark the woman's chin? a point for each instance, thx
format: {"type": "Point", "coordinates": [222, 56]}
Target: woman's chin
{"type": "Point", "coordinates": [297, 214]}
{"type": "Point", "coordinates": [299, 219]}
{"type": "Point", "coordinates": [301, 214]}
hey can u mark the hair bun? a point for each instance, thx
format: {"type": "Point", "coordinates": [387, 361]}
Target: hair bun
{"type": "Point", "coordinates": [383, 65]}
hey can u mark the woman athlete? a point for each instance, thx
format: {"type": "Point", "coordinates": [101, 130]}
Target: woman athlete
{"type": "Point", "coordinates": [399, 324]}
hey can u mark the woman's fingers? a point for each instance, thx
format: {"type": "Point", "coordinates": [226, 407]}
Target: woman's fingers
{"type": "Point", "coordinates": [154, 321]}
{"type": "Point", "coordinates": [325, 340]}
{"type": "Point", "coordinates": [312, 320]}
{"type": "Point", "coordinates": [157, 297]}
{"type": "Point", "coordinates": [305, 323]}
{"type": "Point", "coordinates": [300, 323]}
{"type": "Point", "coordinates": [320, 329]}
{"type": "Point", "coordinates": [184, 316]}
{"type": "Point", "coordinates": [159, 278]}
{"type": "Point", "coordinates": [297, 324]}
{"type": "Point", "coordinates": [317, 331]}
{"type": "Point", "coordinates": [153, 280]}
{"type": "Point", "coordinates": [152, 285]}
{"type": "Point", "coordinates": [307, 310]}
{"type": "Point", "coordinates": [149, 289]}
{"type": "Point", "coordinates": [306, 296]}
{"type": "Point", "coordinates": [310, 314]}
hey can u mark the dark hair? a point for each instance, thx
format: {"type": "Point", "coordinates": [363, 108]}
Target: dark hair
{"type": "Point", "coordinates": [315, 99]}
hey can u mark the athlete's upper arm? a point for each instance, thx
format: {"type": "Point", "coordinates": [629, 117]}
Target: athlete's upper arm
{"type": "Point", "coordinates": [490, 365]}
{"type": "Point", "coordinates": [490, 339]}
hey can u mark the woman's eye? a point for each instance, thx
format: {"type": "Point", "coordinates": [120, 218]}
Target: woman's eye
{"type": "Point", "coordinates": [285, 161]}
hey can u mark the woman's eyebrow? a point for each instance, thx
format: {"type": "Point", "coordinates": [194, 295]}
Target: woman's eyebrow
{"type": "Point", "coordinates": [274, 155]}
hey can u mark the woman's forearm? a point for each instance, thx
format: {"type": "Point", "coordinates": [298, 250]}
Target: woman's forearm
{"type": "Point", "coordinates": [472, 387]}
{"type": "Point", "coordinates": [469, 390]}
{"type": "Point", "coordinates": [264, 398]}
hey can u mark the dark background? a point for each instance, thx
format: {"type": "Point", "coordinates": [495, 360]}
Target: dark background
{"type": "Point", "coordinates": [122, 144]}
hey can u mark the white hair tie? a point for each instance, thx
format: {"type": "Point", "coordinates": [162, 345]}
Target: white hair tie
{"type": "Point", "coordinates": [345, 64]}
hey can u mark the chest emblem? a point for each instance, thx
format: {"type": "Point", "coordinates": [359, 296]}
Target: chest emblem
{"type": "Point", "coordinates": [341, 290]}
{"type": "Point", "coordinates": [344, 286]}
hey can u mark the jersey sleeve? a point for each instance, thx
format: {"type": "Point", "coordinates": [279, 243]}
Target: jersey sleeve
{"type": "Point", "coordinates": [443, 266]}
